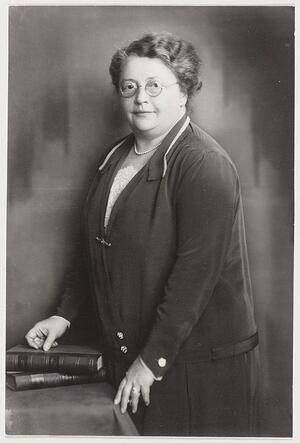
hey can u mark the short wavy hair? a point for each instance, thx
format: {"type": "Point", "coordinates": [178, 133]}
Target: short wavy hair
{"type": "Point", "coordinates": [177, 54]}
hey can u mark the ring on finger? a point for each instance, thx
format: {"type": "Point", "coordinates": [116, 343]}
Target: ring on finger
{"type": "Point", "coordinates": [135, 391]}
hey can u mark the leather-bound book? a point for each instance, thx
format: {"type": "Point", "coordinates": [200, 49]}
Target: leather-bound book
{"type": "Point", "coordinates": [21, 381]}
{"type": "Point", "coordinates": [65, 359]}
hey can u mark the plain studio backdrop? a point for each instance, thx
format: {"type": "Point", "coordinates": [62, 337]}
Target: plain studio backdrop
{"type": "Point", "coordinates": [63, 114]}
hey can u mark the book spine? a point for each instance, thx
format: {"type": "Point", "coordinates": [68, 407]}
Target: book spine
{"type": "Point", "coordinates": [27, 362]}
{"type": "Point", "coordinates": [22, 382]}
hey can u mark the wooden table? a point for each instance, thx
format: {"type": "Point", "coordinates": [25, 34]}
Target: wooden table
{"type": "Point", "coordinates": [67, 410]}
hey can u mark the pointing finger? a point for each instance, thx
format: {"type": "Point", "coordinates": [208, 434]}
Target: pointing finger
{"type": "Point", "coordinates": [49, 341]}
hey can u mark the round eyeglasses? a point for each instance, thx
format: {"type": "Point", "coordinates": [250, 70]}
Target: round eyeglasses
{"type": "Point", "coordinates": [128, 88]}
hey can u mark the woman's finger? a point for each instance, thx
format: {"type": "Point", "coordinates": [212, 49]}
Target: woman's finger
{"type": "Point", "coordinates": [125, 397]}
{"type": "Point", "coordinates": [39, 341]}
{"type": "Point", "coordinates": [135, 395]}
{"type": "Point", "coordinates": [32, 343]}
{"type": "Point", "coordinates": [31, 334]}
{"type": "Point", "coordinates": [42, 331]}
{"type": "Point", "coordinates": [32, 338]}
{"type": "Point", "coordinates": [146, 395]}
{"type": "Point", "coordinates": [119, 393]}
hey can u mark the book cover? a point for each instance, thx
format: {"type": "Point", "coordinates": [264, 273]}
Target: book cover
{"type": "Point", "coordinates": [20, 381]}
{"type": "Point", "coordinates": [66, 359]}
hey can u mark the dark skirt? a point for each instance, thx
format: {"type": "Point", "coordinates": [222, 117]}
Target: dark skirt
{"type": "Point", "coordinates": [200, 398]}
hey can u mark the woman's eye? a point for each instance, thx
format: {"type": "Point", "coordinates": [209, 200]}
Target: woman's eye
{"type": "Point", "coordinates": [128, 86]}
{"type": "Point", "coordinates": [155, 85]}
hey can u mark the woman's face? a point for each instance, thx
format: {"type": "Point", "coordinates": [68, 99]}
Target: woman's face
{"type": "Point", "coordinates": [148, 116]}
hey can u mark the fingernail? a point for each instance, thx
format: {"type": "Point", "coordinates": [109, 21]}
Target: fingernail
{"type": "Point", "coordinates": [46, 348]}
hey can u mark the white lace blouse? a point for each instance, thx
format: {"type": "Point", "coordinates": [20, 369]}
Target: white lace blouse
{"type": "Point", "coordinates": [130, 167]}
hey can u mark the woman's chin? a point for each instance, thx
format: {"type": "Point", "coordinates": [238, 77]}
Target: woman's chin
{"type": "Point", "coordinates": [142, 127]}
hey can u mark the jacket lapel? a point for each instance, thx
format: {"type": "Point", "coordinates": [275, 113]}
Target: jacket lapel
{"type": "Point", "coordinates": [156, 163]}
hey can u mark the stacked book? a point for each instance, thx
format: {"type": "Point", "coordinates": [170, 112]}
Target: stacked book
{"type": "Point", "coordinates": [28, 368]}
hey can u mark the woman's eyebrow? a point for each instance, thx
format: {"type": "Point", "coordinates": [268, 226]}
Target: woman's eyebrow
{"type": "Point", "coordinates": [133, 80]}
{"type": "Point", "coordinates": [129, 80]}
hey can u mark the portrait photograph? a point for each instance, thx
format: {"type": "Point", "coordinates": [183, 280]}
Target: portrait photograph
{"type": "Point", "coordinates": [150, 220]}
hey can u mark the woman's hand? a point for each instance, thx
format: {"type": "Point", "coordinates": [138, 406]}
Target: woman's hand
{"type": "Point", "coordinates": [137, 381]}
{"type": "Point", "coordinates": [45, 332]}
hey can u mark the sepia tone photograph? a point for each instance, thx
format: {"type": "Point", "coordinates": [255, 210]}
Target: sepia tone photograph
{"type": "Point", "coordinates": [150, 221]}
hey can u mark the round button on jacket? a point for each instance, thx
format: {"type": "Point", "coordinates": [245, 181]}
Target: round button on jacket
{"type": "Point", "coordinates": [124, 349]}
{"type": "Point", "coordinates": [162, 362]}
{"type": "Point", "coordinates": [120, 335]}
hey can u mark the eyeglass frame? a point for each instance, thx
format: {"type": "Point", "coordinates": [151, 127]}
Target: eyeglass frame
{"type": "Point", "coordinates": [139, 85]}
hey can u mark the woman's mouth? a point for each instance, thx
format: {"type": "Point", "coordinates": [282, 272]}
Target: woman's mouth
{"type": "Point", "coordinates": [143, 115]}
{"type": "Point", "coordinates": [142, 112]}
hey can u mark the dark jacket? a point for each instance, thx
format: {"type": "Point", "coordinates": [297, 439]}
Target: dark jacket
{"type": "Point", "coordinates": [169, 277]}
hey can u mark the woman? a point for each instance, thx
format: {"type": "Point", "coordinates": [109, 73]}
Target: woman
{"type": "Point", "coordinates": [166, 252]}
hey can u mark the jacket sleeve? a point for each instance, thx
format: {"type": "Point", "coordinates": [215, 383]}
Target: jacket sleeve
{"type": "Point", "coordinates": [76, 287]}
{"type": "Point", "coordinates": [205, 210]}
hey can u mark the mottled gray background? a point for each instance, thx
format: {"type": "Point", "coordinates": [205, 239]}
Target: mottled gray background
{"type": "Point", "coordinates": [63, 113]}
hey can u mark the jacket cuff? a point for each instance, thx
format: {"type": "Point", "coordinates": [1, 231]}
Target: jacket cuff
{"type": "Point", "coordinates": [148, 369]}
{"type": "Point", "coordinates": [69, 313]}
{"type": "Point", "coordinates": [157, 359]}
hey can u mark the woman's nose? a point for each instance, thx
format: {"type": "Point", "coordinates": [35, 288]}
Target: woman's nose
{"type": "Point", "coordinates": [141, 95]}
